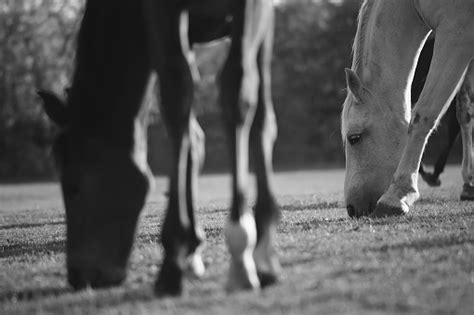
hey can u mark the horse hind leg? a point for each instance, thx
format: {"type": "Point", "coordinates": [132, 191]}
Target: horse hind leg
{"type": "Point", "coordinates": [453, 131]}
{"type": "Point", "coordinates": [452, 125]}
{"type": "Point", "coordinates": [240, 231]}
{"type": "Point", "coordinates": [262, 138]}
{"type": "Point", "coordinates": [195, 266]}
{"type": "Point", "coordinates": [180, 236]}
{"type": "Point", "coordinates": [465, 114]}
{"type": "Point", "coordinates": [239, 96]}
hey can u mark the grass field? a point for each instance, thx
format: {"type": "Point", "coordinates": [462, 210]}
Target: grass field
{"type": "Point", "coordinates": [420, 263]}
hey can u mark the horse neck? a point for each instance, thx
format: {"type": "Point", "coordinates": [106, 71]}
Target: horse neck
{"type": "Point", "coordinates": [110, 76]}
{"type": "Point", "coordinates": [390, 46]}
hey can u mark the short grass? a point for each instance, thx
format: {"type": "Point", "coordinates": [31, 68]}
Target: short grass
{"type": "Point", "coordinates": [420, 263]}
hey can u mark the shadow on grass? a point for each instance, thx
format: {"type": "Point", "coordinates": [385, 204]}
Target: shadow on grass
{"type": "Point", "coordinates": [311, 206]}
{"type": "Point", "coordinates": [17, 250]}
{"type": "Point", "coordinates": [436, 217]}
{"type": "Point", "coordinates": [32, 294]}
{"type": "Point", "coordinates": [31, 225]}
{"type": "Point", "coordinates": [57, 296]}
{"type": "Point", "coordinates": [425, 244]}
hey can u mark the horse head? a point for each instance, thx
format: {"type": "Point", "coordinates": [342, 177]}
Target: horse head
{"type": "Point", "coordinates": [373, 141]}
{"type": "Point", "coordinates": [103, 189]}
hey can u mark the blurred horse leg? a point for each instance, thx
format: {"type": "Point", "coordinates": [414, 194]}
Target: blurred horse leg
{"type": "Point", "coordinates": [195, 265]}
{"type": "Point", "coordinates": [452, 125]}
{"type": "Point", "coordinates": [465, 114]}
{"type": "Point", "coordinates": [262, 138]}
{"type": "Point", "coordinates": [239, 97]}
{"type": "Point", "coordinates": [179, 236]}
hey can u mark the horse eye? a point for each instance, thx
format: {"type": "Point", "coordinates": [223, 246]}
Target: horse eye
{"type": "Point", "coordinates": [353, 139]}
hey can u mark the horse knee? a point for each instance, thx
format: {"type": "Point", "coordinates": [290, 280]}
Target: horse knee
{"type": "Point", "coordinates": [270, 130]}
{"type": "Point", "coordinates": [463, 103]}
{"type": "Point", "coordinates": [264, 131]}
{"type": "Point", "coordinates": [422, 124]}
{"type": "Point", "coordinates": [239, 91]}
{"type": "Point", "coordinates": [248, 98]}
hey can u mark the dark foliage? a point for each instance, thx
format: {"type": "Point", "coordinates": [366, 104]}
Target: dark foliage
{"type": "Point", "coordinates": [312, 46]}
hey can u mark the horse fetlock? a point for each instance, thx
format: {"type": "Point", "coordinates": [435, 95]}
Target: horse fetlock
{"type": "Point", "coordinates": [467, 193]}
{"type": "Point", "coordinates": [431, 179]}
{"type": "Point", "coordinates": [194, 267]}
{"type": "Point", "coordinates": [242, 273]}
{"type": "Point", "coordinates": [241, 236]}
{"type": "Point", "coordinates": [266, 259]}
{"type": "Point", "coordinates": [468, 177]}
{"type": "Point", "coordinates": [170, 278]}
{"type": "Point", "coordinates": [397, 200]}
{"type": "Point", "coordinates": [405, 187]}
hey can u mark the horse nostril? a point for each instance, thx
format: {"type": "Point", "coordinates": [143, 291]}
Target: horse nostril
{"type": "Point", "coordinates": [350, 211]}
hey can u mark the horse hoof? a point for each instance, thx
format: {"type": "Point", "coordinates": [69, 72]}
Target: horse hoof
{"type": "Point", "coordinates": [267, 279]}
{"type": "Point", "coordinates": [431, 180]}
{"type": "Point", "coordinates": [266, 259]}
{"type": "Point", "coordinates": [169, 282]}
{"type": "Point", "coordinates": [389, 207]}
{"type": "Point", "coordinates": [467, 193]}
{"type": "Point", "coordinates": [243, 275]}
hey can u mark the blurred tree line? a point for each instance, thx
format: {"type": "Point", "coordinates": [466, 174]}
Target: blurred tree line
{"type": "Point", "coordinates": [313, 41]}
{"type": "Point", "coordinates": [36, 51]}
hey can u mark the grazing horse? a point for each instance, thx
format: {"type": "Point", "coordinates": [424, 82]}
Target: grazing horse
{"type": "Point", "coordinates": [384, 140]}
{"type": "Point", "coordinates": [101, 149]}
{"type": "Point", "coordinates": [449, 120]}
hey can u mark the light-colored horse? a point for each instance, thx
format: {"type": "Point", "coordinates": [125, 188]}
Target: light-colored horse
{"type": "Point", "coordinates": [384, 140]}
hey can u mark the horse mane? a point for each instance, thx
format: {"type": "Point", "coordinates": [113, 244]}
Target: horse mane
{"type": "Point", "coordinates": [359, 40]}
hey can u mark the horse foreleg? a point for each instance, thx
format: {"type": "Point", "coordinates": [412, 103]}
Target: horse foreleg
{"type": "Point", "coordinates": [195, 266]}
{"type": "Point", "coordinates": [179, 235]}
{"type": "Point", "coordinates": [262, 138]}
{"type": "Point", "coordinates": [435, 97]}
{"type": "Point", "coordinates": [465, 114]}
{"type": "Point", "coordinates": [240, 82]}
{"type": "Point", "coordinates": [240, 232]}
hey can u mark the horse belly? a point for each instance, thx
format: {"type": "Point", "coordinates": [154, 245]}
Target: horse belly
{"type": "Point", "coordinates": [209, 20]}
{"type": "Point", "coordinates": [205, 29]}
{"type": "Point", "coordinates": [209, 8]}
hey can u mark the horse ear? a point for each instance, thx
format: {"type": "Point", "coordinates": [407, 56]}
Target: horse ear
{"type": "Point", "coordinates": [354, 84]}
{"type": "Point", "coordinates": [54, 108]}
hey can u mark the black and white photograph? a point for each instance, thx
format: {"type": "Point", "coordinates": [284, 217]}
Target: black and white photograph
{"type": "Point", "coordinates": [236, 157]}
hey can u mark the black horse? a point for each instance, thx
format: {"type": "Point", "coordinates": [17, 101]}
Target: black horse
{"type": "Point", "coordinates": [102, 147]}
